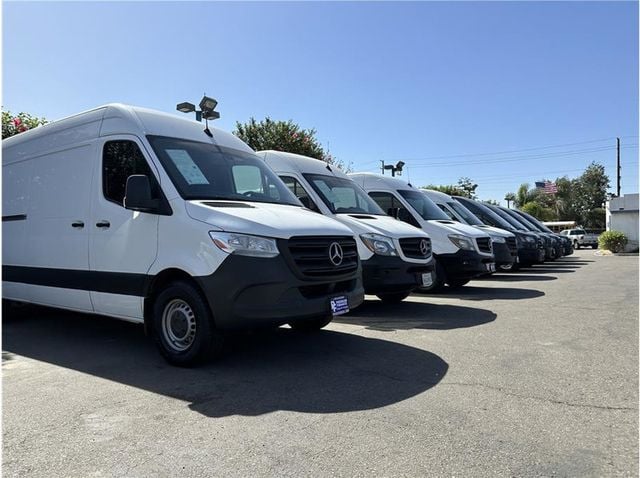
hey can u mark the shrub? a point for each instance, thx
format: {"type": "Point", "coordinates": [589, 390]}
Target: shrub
{"type": "Point", "coordinates": [613, 241]}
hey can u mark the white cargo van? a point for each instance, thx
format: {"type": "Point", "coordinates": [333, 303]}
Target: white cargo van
{"type": "Point", "coordinates": [396, 257]}
{"type": "Point", "coordinates": [140, 215]}
{"type": "Point", "coordinates": [505, 249]}
{"type": "Point", "coordinates": [461, 252]}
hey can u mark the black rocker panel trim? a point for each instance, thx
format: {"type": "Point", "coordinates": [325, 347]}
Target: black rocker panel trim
{"type": "Point", "coordinates": [124, 283]}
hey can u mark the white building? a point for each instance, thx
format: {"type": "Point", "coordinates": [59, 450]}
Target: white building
{"type": "Point", "coordinates": [622, 215]}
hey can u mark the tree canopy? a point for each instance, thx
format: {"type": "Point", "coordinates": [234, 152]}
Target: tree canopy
{"type": "Point", "coordinates": [15, 124]}
{"type": "Point", "coordinates": [284, 136]}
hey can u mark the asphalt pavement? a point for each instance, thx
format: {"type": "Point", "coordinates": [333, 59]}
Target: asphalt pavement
{"type": "Point", "coordinates": [527, 374]}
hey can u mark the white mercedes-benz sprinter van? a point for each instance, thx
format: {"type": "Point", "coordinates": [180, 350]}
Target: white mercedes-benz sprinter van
{"type": "Point", "coordinates": [505, 250]}
{"type": "Point", "coordinates": [140, 215]}
{"type": "Point", "coordinates": [396, 257]}
{"type": "Point", "coordinates": [461, 252]}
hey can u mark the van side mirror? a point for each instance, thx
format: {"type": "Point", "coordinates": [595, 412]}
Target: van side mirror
{"type": "Point", "coordinates": [394, 212]}
{"type": "Point", "coordinates": [138, 194]}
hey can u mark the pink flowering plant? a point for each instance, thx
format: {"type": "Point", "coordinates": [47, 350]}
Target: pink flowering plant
{"type": "Point", "coordinates": [14, 124]}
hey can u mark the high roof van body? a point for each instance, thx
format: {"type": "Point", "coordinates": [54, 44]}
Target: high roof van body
{"type": "Point", "coordinates": [461, 252]}
{"type": "Point", "coordinates": [505, 248]}
{"type": "Point", "coordinates": [396, 257]}
{"type": "Point", "coordinates": [144, 216]}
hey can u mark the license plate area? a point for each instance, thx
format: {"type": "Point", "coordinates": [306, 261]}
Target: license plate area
{"type": "Point", "coordinates": [339, 305]}
{"type": "Point", "coordinates": [426, 279]}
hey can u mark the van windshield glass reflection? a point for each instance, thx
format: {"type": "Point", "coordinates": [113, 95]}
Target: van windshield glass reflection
{"type": "Point", "coordinates": [343, 196]}
{"type": "Point", "coordinates": [423, 205]}
{"type": "Point", "coordinates": [207, 171]}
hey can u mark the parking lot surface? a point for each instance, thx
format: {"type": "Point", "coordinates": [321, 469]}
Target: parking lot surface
{"type": "Point", "coordinates": [526, 374]}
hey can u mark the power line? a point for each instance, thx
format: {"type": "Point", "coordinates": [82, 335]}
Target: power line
{"type": "Point", "coordinates": [518, 158]}
{"type": "Point", "coordinates": [509, 151]}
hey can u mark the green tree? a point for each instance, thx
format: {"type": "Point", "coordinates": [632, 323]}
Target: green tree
{"type": "Point", "coordinates": [465, 188]}
{"type": "Point", "coordinates": [468, 187]}
{"type": "Point", "coordinates": [14, 124]}
{"type": "Point", "coordinates": [284, 136]}
{"type": "Point", "coordinates": [525, 195]}
{"type": "Point", "coordinates": [589, 192]}
{"type": "Point", "coordinates": [492, 202]}
{"type": "Point", "coordinates": [538, 211]}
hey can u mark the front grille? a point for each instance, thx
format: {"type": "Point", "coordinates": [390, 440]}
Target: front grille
{"type": "Point", "coordinates": [310, 255]}
{"type": "Point", "coordinates": [511, 243]}
{"type": "Point", "coordinates": [484, 244]}
{"type": "Point", "coordinates": [411, 247]}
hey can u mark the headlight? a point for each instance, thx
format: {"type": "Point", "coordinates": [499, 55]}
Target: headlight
{"type": "Point", "coordinates": [499, 240]}
{"type": "Point", "coordinates": [529, 239]}
{"type": "Point", "coordinates": [378, 244]}
{"type": "Point", "coordinates": [463, 242]}
{"type": "Point", "coordinates": [245, 245]}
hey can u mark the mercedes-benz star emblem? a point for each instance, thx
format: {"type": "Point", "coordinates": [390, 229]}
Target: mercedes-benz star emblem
{"type": "Point", "coordinates": [424, 247]}
{"type": "Point", "coordinates": [335, 254]}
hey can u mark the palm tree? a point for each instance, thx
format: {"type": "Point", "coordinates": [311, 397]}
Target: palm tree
{"type": "Point", "coordinates": [509, 197]}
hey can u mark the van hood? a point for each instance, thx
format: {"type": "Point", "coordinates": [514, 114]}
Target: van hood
{"type": "Point", "coordinates": [457, 228]}
{"type": "Point", "coordinates": [384, 225]}
{"type": "Point", "coordinates": [495, 232]}
{"type": "Point", "coordinates": [264, 219]}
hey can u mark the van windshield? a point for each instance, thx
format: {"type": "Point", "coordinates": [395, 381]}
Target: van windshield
{"type": "Point", "coordinates": [208, 171]}
{"type": "Point", "coordinates": [485, 214]}
{"type": "Point", "coordinates": [343, 196]}
{"type": "Point", "coordinates": [515, 223]}
{"type": "Point", "coordinates": [423, 205]}
{"type": "Point", "coordinates": [465, 214]}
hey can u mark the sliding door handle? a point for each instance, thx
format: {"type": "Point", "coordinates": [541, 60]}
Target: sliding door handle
{"type": "Point", "coordinates": [77, 224]}
{"type": "Point", "coordinates": [103, 224]}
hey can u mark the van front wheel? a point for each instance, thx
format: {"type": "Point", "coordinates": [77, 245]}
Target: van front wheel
{"type": "Point", "coordinates": [183, 327]}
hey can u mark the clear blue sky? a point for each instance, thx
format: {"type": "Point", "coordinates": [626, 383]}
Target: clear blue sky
{"type": "Point", "coordinates": [426, 83]}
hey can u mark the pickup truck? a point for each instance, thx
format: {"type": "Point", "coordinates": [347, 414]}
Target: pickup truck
{"type": "Point", "coordinates": [580, 238]}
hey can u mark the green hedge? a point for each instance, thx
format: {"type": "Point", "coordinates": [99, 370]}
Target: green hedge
{"type": "Point", "coordinates": [613, 241]}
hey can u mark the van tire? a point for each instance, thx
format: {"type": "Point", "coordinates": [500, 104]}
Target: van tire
{"type": "Point", "coordinates": [183, 327]}
{"type": "Point", "coordinates": [393, 298]}
{"type": "Point", "coordinates": [311, 325]}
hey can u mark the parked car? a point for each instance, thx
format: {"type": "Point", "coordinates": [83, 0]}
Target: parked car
{"type": "Point", "coordinates": [505, 249]}
{"type": "Point", "coordinates": [461, 252]}
{"type": "Point", "coordinates": [396, 257]}
{"type": "Point", "coordinates": [143, 216]}
{"type": "Point", "coordinates": [581, 238]}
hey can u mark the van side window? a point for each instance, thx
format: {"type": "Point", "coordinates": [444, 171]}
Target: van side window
{"type": "Point", "coordinates": [388, 202]}
{"type": "Point", "coordinates": [121, 159]}
{"type": "Point", "coordinates": [300, 192]}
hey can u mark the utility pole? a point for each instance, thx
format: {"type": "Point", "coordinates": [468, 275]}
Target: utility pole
{"type": "Point", "coordinates": [618, 165]}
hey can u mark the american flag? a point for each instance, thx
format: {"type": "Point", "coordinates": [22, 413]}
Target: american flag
{"type": "Point", "coordinates": [547, 186]}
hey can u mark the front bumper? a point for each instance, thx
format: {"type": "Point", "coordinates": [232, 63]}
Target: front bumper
{"type": "Point", "coordinates": [384, 274]}
{"type": "Point", "coordinates": [503, 255]}
{"type": "Point", "coordinates": [465, 264]}
{"type": "Point", "coordinates": [531, 256]}
{"type": "Point", "coordinates": [250, 291]}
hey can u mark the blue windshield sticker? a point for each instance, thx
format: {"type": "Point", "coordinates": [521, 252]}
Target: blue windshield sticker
{"type": "Point", "coordinates": [187, 167]}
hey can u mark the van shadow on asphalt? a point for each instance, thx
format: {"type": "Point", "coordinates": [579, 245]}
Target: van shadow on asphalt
{"type": "Point", "coordinates": [516, 277]}
{"type": "Point", "coordinates": [376, 315]}
{"type": "Point", "coordinates": [479, 293]}
{"type": "Point", "coordinates": [267, 371]}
